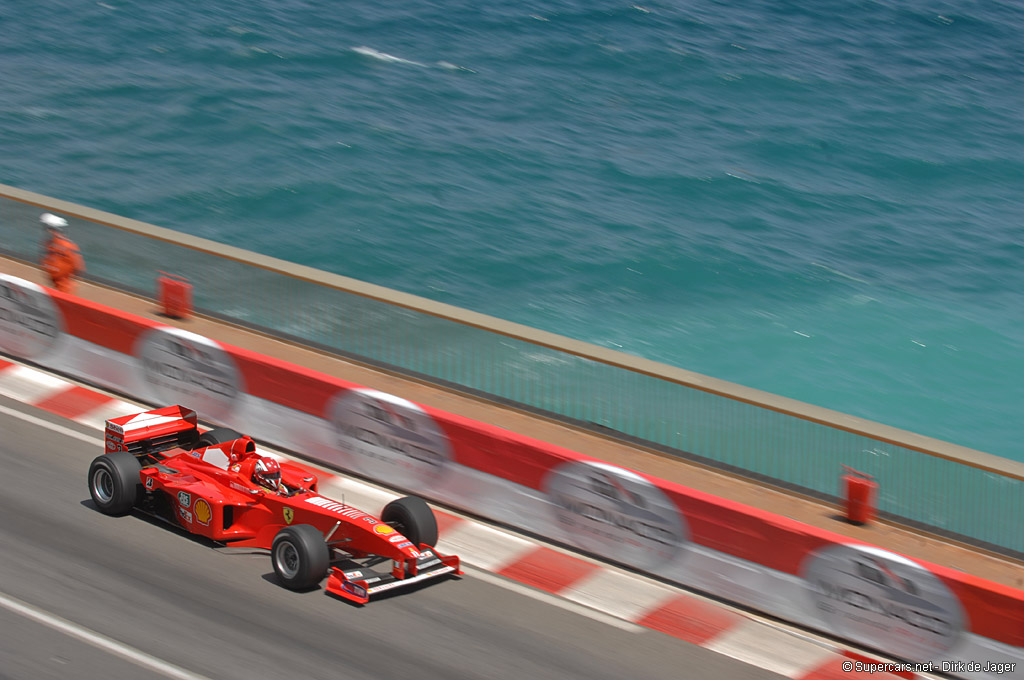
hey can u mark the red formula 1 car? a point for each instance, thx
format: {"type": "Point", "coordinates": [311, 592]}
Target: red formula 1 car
{"type": "Point", "coordinates": [216, 484]}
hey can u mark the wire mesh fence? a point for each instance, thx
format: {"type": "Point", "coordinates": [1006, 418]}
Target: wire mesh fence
{"type": "Point", "coordinates": [936, 485]}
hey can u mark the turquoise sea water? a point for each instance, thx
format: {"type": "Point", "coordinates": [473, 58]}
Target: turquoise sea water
{"type": "Point", "coordinates": [823, 200]}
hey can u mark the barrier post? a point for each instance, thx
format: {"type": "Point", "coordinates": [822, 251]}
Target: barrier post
{"type": "Point", "coordinates": [860, 492]}
{"type": "Point", "coordinates": [175, 295]}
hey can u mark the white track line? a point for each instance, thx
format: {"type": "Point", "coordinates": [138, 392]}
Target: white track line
{"type": "Point", "coordinates": [97, 417]}
{"type": "Point", "coordinates": [93, 638]}
{"type": "Point", "coordinates": [29, 385]}
{"type": "Point", "coordinates": [769, 648]}
{"type": "Point", "coordinates": [483, 546]}
{"type": "Point", "coordinates": [67, 431]}
{"type": "Point", "coordinates": [618, 594]}
{"type": "Point", "coordinates": [553, 600]}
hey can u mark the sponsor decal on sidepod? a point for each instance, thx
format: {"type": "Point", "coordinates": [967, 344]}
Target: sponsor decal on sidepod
{"type": "Point", "coordinates": [203, 512]}
{"type": "Point", "coordinates": [186, 368]}
{"type": "Point", "coordinates": [614, 512]}
{"type": "Point", "coordinates": [883, 600]}
{"type": "Point", "coordinates": [389, 437]}
{"type": "Point", "coordinates": [30, 322]}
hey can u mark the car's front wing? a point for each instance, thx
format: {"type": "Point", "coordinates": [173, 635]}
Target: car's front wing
{"type": "Point", "coordinates": [360, 584]}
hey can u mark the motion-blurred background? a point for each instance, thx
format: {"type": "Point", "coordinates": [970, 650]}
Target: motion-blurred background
{"type": "Point", "coordinates": [822, 200]}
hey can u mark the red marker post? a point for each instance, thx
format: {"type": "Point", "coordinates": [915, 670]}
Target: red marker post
{"type": "Point", "coordinates": [175, 295]}
{"type": "Point", "coordinates": [861, 491]}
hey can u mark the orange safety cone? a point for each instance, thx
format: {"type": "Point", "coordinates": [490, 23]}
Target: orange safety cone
{"type": "Point", "coordinates": [860, 494]}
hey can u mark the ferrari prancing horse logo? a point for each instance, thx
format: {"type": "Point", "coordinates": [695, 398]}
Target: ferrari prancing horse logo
{"type": "Point", "coordinates": [289, 515]}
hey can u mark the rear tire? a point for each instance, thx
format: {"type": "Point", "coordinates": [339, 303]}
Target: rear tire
{"type": "Point", "coordinates": [218, 435]}
{"type": "Point", "coordinates": [300, 556]}
{"type": "Point", "coordinates": [114, 483]}
{"type": "Point", "coordinates": [413, 518]}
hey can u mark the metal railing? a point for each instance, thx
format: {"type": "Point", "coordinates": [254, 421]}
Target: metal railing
{"type": "Point", "coordinates": [923, 481]}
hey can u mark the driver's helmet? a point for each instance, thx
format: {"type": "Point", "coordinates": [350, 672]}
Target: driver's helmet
{"type": "Point", "coordinates": [267, 472]}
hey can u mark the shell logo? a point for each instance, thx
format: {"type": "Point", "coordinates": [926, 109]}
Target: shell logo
{"type": "Point", "coordinates": [203, 512]}
{"type": "Point", "coordinates": [383, 529]}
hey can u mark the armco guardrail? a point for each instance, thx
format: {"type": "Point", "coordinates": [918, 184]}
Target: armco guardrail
{"type": "Point", "coordinates": [923, 481]}
{"type": "Point", "coordinates": [908, 609]}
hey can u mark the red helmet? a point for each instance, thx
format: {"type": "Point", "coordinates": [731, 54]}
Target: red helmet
{"type": "Point", "coordinates": [267, 472]}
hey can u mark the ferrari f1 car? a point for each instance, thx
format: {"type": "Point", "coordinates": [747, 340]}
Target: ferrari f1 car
{"type": "Point", "coordinates": [218, 485]}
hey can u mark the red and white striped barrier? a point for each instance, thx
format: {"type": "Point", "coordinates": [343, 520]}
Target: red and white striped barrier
{"type": "Point", "coordinates": [589, 588]}
{"type": "Point", "coordinates": [814, 578]}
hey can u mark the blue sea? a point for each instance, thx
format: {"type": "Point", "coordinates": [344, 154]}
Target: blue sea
{"type": "Point", "coordinates": [822, 199]}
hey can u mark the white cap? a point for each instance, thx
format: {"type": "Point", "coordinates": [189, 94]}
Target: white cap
{"type": "Point", "coordinates": [52, 221]}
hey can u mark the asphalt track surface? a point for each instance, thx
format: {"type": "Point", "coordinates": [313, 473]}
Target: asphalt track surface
{"type": "Point", "coordinates": [87, 596]}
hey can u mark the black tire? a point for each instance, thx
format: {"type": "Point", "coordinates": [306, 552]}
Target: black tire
{"type": "Point", "coordinates": [300, 556]}
{"type": "Point", "coordinates": [218, 435]}
{"type": "Point", "coordinates": [114, 483]}
{"type": "Point", "coordinates": [413, 518]}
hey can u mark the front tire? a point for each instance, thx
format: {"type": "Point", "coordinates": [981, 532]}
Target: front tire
{"type": "Point", "coordinates": [300, 556]}
{"type": "Point", "coordinates": [413, 518]}
{"type": "Point", "coordinates": [114, 483]}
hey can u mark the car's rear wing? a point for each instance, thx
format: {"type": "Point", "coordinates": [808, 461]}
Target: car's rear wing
{"type": "Point", "coordinates": [153, 431]}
